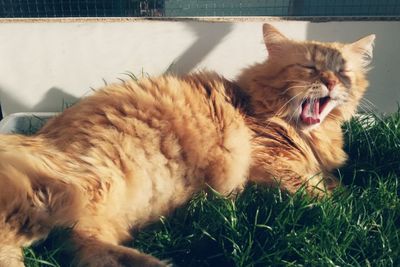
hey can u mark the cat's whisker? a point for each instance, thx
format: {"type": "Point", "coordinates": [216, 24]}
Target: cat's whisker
{"type": "Point", "coordinates": [278, 113]}
{"type": "Point", "coordinates": [297, 117]}
{"type": "Point", "coordinates": [285, 104]}
{"type": "Point", "coordinates": [368, 137]}
{"type": "Point", "coordinates": [370, 106]}
{"type": "Point", "coordinates": [375, 116]}
{"type": "Point", "coordinates": [368, 101]}
{"type": "Point", "coordinates": [292, 87]}
{"type": "Point", "coordinates": [291, 117]}
{"type": "Point", "coordinates": [365, 108]}
{"type": "Point", "coordinates": [288, 102]}
{"type": "Point", "coordinates": [372, 111]}
{"type": "Point", "coordinates": [334, 116]}
{"type": "Point", "coordinates": [298, 81]}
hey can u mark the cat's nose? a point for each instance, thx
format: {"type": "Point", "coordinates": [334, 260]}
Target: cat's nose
{"type": "Point", "coordinates": [330, 83]}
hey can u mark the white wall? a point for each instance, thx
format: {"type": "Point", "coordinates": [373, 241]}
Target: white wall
{"type": "Point", "coordinates": [43, 64]}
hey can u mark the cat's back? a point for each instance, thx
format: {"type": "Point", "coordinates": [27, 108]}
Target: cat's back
{"type": "Point", "coordinates": [193, 107]}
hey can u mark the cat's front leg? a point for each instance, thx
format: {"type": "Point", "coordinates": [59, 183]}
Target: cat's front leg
{"type": "Point", "coordinates": [292, 176]}
{"type": "Point", "coordinates": [320, 184]}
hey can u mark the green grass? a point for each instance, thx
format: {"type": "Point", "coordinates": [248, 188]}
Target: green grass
{"type": "Point", "coordinates": [357, 226]}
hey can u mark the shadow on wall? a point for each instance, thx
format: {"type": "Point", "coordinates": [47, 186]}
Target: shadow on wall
{"type": "Point", "coordinates": [383, 92]}
{"type": "Point", "coordinates": [207, 39]}
{"type": "Point", "coordinates": [54, 100]}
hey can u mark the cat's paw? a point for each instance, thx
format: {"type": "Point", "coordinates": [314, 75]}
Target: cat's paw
{"type": "Point", "coordinates": [331, 182]}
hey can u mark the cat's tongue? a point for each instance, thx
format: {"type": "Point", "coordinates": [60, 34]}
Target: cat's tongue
{"type": "Point", "coordinates": [310, 112]}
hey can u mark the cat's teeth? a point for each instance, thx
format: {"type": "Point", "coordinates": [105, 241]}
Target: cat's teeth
{"type": "Point", "coordinates": [315, 109]}
{"type": "Point", "coordinates": [310, 112]}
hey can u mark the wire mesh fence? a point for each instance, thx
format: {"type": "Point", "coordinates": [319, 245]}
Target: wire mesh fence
{"type": "Point", "coordinates": [283, 8]}
{"type": "Point", "coordinates": [80, 8]}
{"type": "Point", "coordinates": [177, 8]}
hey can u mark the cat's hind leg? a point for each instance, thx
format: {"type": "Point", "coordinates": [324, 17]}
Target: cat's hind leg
{"type": "Point", "coordinates": [92, 250]}
{"type": "Point", "coordinates": [11, 256]}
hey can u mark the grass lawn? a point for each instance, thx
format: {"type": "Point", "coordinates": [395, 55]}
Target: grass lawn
{"type": "Point", "coordinates": [357, 226]}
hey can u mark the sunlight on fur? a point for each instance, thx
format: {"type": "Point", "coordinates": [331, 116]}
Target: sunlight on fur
{"type": "Point", "coordinates": [134, 151]}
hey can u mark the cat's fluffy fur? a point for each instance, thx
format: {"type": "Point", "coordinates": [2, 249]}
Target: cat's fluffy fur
{"type": "Point", "coordinates": [134, 151]}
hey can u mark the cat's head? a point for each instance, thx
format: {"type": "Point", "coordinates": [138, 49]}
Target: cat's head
{"type": "Point", "coordinates": [308, 82]}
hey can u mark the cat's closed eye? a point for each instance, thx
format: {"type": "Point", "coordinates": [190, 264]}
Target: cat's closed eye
{"type": "Point", "coordinates": [310, 67]}
{"type": "Point", "coordinates": [344, 71]}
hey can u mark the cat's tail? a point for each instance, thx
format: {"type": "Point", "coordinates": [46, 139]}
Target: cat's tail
{"type": "Point", "coordinates": [32, 198]}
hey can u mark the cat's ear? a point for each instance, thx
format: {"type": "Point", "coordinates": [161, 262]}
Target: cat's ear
{"type": "Point", "coordinates": [273, 38]}
{"type": "Point", "coordinates": [364, 47]}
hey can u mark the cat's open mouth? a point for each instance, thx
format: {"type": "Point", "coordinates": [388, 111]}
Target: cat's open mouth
{"type": "Point", "coordinates": [311, 110]}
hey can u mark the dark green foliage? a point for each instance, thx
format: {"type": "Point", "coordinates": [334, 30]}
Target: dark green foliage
{"type": "Point", "coordinates": [357, 226]}
{"type": "Point", "coordinates": [373, 145]}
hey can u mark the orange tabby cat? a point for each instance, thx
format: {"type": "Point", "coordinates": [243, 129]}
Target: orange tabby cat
{"type": "Point", "coordinates": [134, 151]}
